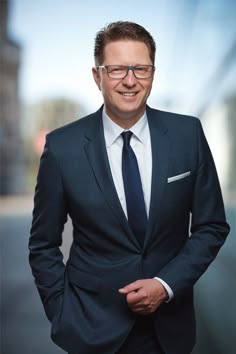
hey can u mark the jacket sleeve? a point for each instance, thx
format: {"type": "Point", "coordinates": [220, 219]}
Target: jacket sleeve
{"type": "Point", "coordinates": [49, 217]}
{"type": "Point", "coordinates": [209, 228]}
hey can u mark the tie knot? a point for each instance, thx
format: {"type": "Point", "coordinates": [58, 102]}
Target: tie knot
{"type": "Point", "coordinates": [126, 137]}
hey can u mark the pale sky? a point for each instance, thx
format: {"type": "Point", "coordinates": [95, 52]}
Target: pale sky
{"type": "Point", "coordinates": [57, 38]}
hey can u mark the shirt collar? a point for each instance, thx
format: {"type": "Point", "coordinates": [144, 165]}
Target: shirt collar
{"type": "Point", "coordinates": [112, 130]}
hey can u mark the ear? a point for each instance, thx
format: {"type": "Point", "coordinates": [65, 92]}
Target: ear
{"type": "Point", "coordinates": [96, 76]}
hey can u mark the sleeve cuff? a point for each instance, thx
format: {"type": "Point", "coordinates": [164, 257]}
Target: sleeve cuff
{"type": "Point", "coordinates": [167, 287]}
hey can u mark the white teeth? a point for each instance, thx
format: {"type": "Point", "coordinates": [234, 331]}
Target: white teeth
{"type": "Point", "coordinates": [128, 93]}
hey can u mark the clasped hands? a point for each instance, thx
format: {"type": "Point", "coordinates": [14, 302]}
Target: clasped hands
{"type": "Point", "coordinates": [144, 296]}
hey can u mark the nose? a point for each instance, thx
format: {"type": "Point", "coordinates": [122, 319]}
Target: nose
{"type": "Point", "coordinates": [130, 79]}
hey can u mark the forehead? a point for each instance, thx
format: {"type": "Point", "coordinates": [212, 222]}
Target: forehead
{"type": "Point", "coordinates": [126, 52]}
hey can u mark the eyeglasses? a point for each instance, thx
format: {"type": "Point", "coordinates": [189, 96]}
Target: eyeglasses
{"type": "Point", "coordinates": [121, 71]}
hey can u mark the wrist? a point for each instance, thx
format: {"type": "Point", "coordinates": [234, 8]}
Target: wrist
{"type": "Point", "coordinates": [169, 292]}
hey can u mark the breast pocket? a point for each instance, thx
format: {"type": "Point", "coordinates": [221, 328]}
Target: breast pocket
{"type": "Point", "coordinates": [179, 189]}
{"type": "Point", "coordinates": [178, 177]}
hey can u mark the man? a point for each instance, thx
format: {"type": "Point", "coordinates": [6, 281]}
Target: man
{"type": "Point", "coordinates": [131, 178]}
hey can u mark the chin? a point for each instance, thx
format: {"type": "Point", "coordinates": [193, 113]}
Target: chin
{"type": "Point", "coordinates": [129, 107]}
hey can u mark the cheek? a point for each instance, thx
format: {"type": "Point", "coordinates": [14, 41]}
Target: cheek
{"type": "Point", "coordinates": [107, 88]}
{"type": "Point", "coordinates": [148, 88]}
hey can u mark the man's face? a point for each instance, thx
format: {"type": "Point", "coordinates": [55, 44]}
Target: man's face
{"type": "Point", "coordinates": [124, 99]}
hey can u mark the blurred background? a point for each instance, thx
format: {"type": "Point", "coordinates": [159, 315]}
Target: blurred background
{"type": "Point", "coordinates": [46, 56]}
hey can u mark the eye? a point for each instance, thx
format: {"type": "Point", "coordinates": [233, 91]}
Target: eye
{"type": "Point", "coordinates": [116, 69]}
{"type": "Point", "coordinates": [141, 69]}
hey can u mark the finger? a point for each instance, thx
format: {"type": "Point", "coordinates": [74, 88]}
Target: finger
{"type": "Point", "coordinates": [134, 297]}
{"type": "Point", "coordinates": [140, 310]}
{"type": "Point", "coordinates": [130, 287]}
{"type": "Point", "coordinates": [136, 307]}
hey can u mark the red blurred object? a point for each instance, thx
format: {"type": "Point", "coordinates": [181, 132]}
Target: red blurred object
{"type": "Point", "coordinates": [39, 141]}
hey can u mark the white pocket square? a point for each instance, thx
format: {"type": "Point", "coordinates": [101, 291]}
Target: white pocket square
{"type": "Point", "coordinates": [176, 178]}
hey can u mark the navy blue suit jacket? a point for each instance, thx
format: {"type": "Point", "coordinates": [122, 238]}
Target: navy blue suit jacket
{"type": "Point", "coordinates": [81, 298]}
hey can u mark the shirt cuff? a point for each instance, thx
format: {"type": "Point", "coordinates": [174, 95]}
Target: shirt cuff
{"type": "Point", "coordinates": [168, 289]}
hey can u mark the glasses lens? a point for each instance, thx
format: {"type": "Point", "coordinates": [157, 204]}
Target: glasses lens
{"type": "Point", "coordinates": [116, 71]}
{"type": "Point", "coordinates": [120, 71]}
{"type": "Point", "coordinates": [143, 71]}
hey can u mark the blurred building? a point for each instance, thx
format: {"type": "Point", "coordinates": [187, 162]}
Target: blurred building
{"type": "Point", "coordinates": [231, 109]}
{"type": "Point", "coordinates": [11, 159]}
{"type": "Point", "coordinates": [46, 115]}
{"type": "Point", "coordinates": [54, 113]}
{"type": "Point", "coordinates": [39, 119]}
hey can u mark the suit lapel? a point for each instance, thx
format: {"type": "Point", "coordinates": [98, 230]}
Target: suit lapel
{"type": "Point", "coordinates": [160, 152]}
{"type": "Point", "coordinates": [95, 150]}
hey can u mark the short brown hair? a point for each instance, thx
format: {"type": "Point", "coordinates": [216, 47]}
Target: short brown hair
{"type": "Point", "coordinates": [116, 31]}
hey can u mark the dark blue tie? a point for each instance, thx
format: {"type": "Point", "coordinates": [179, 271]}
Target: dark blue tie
{"type": "Point", "coordinates": [137, 216]}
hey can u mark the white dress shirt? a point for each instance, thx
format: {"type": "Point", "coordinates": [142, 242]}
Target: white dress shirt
{"type": "Point", "coordinates": [141, 144]}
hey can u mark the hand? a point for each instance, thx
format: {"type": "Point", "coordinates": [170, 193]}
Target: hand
{"type": "Point", "coordinates": [144, 296]}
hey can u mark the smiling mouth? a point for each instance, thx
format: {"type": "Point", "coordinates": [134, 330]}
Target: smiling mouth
{"type": "Point", "coordinates": [128, 94]}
